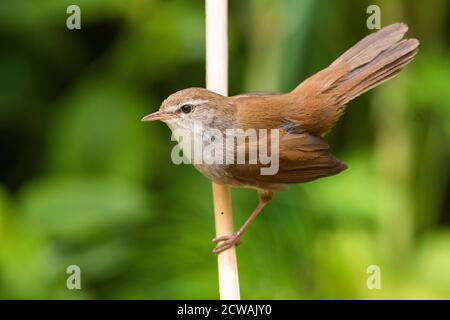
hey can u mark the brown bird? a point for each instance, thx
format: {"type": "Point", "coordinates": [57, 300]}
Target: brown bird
{"type": "Point", "coordinates": [302, 116]}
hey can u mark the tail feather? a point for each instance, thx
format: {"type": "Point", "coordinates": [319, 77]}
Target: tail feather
{"type": "Point", "coordinates": [368, 48]}
{"type": "Point", "coordinates": [382, 68]}
{"type": "Point", "coordinates": [372, 61]}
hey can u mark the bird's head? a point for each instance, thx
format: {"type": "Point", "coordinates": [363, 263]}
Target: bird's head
{"type": "Point", "coordinates": [194, 106]}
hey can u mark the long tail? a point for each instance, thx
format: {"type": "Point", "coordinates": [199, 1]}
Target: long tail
{"type": "Point", "coordinates": [372, 61]}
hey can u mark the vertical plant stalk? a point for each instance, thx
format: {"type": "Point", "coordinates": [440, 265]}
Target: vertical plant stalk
{"type": "Point", "coordinates": [217, 81]}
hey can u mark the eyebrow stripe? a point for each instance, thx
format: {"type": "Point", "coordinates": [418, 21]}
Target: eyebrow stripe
{"type": "Point", "coordinates": [194, 102]}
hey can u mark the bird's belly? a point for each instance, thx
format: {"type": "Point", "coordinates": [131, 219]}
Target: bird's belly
{"type": "Point", "coordinates": [217, 173]}
{"type": "Point", "coordinates": [221, 175]}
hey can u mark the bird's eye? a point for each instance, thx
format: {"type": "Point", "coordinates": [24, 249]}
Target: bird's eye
{"type": "Point", "coordinates": [187, 108]}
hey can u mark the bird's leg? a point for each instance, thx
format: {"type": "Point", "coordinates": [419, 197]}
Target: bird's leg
{"type": "Point", "coordinates": [234, 239]}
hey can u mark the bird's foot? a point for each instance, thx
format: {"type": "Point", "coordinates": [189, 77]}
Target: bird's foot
{"type": "Point", "coordinates": [226, 242]}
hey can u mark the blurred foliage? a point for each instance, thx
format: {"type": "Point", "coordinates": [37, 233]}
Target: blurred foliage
{"type": "Point", "coordinates": [83, 181]}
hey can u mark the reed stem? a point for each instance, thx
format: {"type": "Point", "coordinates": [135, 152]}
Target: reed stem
{"type": "Point", "coordinates": [217, 81]}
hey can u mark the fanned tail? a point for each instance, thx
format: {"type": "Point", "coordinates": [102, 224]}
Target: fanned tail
{"type": "Point", "coordinates": [372, 61]}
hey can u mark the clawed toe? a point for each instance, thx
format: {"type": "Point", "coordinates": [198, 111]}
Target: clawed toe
{"type": "Point", "coordinates": [221, 238]}
{"type": "Point", "coordinates": [227, 242]}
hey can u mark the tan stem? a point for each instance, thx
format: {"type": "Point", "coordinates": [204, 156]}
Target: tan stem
{"type": "Point", "coordinates": [227, 261]}
{"type": "Point", "coordinates": [217, 81]}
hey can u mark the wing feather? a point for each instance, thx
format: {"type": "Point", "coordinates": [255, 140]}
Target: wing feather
{"type": "Point", "coordinates": [303, 157]}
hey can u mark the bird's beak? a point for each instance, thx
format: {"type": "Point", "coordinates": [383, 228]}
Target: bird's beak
{"type": "Point", "coordinates": [162, 116]}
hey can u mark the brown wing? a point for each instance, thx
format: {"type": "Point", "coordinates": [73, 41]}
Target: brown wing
{"type": "Point", "coordinates": [303, 157]}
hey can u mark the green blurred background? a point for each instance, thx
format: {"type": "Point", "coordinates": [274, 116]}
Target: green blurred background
{"type": "Point", "coordinates": [84, 182]}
